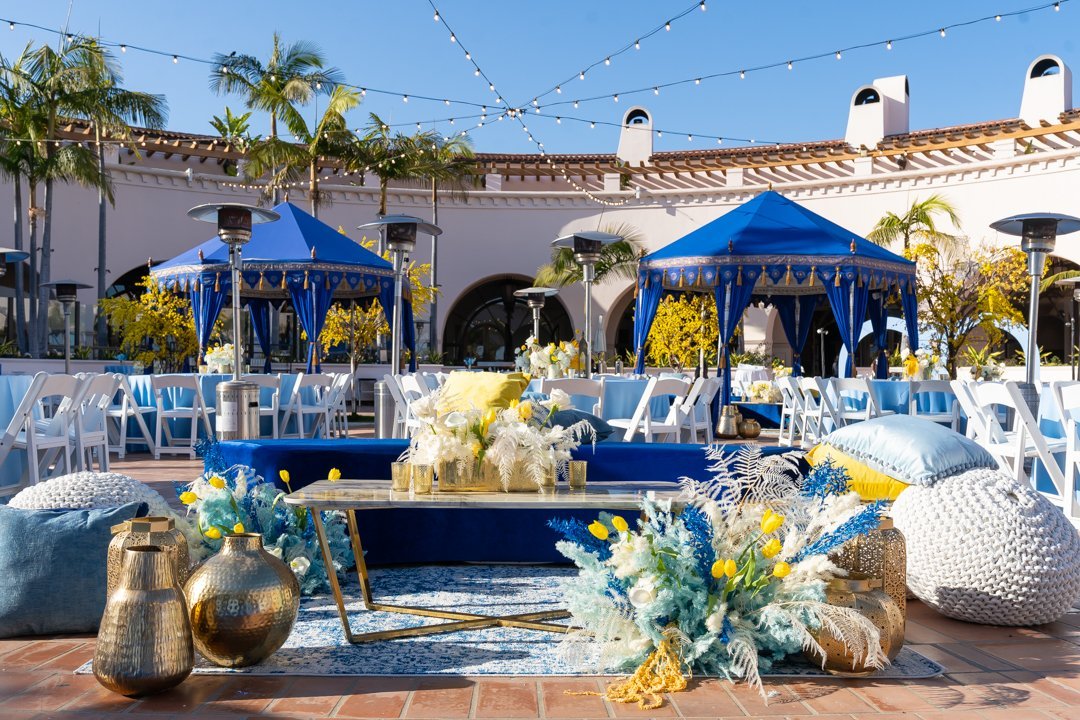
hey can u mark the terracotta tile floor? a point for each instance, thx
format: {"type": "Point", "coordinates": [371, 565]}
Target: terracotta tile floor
{"type": "Point", "coordinates": [992, 674]}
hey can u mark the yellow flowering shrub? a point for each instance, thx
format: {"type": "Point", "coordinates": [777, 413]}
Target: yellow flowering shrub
{"type": "Point", "coordinates": [678, 331]}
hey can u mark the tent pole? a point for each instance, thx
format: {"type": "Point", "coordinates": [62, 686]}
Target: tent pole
{"type": "Point", "coordinates": [852, 330]}
{"type": "Point", "coordinates": [234, 261]}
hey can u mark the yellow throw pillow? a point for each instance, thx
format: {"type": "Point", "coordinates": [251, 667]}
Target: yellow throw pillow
{"type": "Point", "coordinates": [868, 482]}
{"type": "Point", "coordinates": [480, 390]}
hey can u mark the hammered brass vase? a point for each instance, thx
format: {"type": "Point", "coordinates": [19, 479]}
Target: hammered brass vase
{"type": "Point", "coordinates": [880, 554]}
{"type": "Point", "coordinates": [727, 427]}
{"type": "Point", "coordinates": [749, 429]}
{"type": "Point", "coordinates": [243, 603]}
{"type": "Point", "coordinates": [864, 596]}
{"type": "Point", "coordinates": [144, 642]}
{"type": "Point", "coordinates": [157, 531]}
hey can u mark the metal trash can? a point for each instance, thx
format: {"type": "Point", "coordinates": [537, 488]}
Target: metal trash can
{"type": "Point", "coordinates": [384, 411]}
{"type": "Point", "coordinates": [237, 410]}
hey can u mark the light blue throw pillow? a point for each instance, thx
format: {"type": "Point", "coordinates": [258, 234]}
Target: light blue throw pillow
{"type": "Point", "coordinates": [911, 449]}
{"type": "Point", "coordinates": [52, 568]}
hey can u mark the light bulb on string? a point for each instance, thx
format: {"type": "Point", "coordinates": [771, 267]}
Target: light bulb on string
{"type": "Point", "coordinates": [575, 104]}
{"type": "Point", "coordinates": [942, 32]}
{"type": "Point", "coordinates": [697, 81]}
{"type": "Point", "coordinates": [453, 38]}
{"type": "Point", "coordinates": [1057, 7]}
{"type": "Point", "coordinates": [637, 43]}
{"type": "Point", "coordinates": [837, 54]}
{"type": "Point", "coordinates": [558, 120]}
{"type": "Point", "coordinates": [888, 44]}
{"type": "Point", "coordinates": [790, 65]}
{"type": "Point", "coordinates": [702, 5]}
{"type": "Point", "coordinates": [558, 89]}
{"type": "Point", "coordinates": [667, 26]}
{"type": "Point", "coordinates": [592, 124]}
{"type": "Point", "coordinates": [491, 87]}
{"type": "Point", "coordinates": [446, 102]}
{"type": "Point", "coordinates": [719, 141]}
{"type": "Point", "coordinates": [997, 18]}
{"type": "Point", "coordinates": [468, 56]}
{"type": "Point", "coordinates": [607, 61]}
{"type": "Point", "coordinates": [436, 16]}
{"type": "Point", "coordinates": [11, 26]}
{"type": "Point", "coordinates": [476, 72]}
{"type": "Point", "coordinates": [581, 75]}
{"type": "Point", "coordinates": [656, 91]}
{"type": "Point", "coordinates": [690, 138]}
{"type": "Point", "coordinates": [615, 97]}
{"type": "Point", "coordinates": [451, 121]}
{"type": "Point", "coordinates": [404, 98]}
{"type": "Point", "coordinates": [659, 133]}
{"type": "Point", "coordinates": [742, 74]}
{"type": "Point", "coordinates": [123, 48]}
{"type": "Point", "coordinates": [175, 59]}
{"type": "Point", "coordinates": [363, 92]}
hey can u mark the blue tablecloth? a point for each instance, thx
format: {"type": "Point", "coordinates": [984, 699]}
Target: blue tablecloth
{"type": "Point", "coordinates": [12, 390]}
{"type": "Point", "coordinates": [143, 391]}
{"type": "Point", "coordinates": [767, 414]}
{"type": "Point", "coordinates": [405, 535]}
{"type": "Point", "coordinates": [621, 397]}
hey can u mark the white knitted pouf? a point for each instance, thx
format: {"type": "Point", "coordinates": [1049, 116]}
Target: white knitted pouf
{"type": "Point", "coordinates": [83, 490]}
{"type": "Point", "coordinates": [982, 548]}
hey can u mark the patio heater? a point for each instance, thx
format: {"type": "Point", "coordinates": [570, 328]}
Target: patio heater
{"type": "Point", "coordinates": [67, 293]}
{"type": "Point", "coordinates": [400, 240]}
{"type": "Point", "coordinates": [1038, 233]}
{"type": "Point", "coordinates": [586, 247]}
{"type": "Point", "coordinates": [536, 297]}
{"type": "Point", "coordinates": [237, 401]}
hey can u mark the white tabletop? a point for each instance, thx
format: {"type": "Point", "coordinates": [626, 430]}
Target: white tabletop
{"type": "Point", "coordinates": [375, 494]}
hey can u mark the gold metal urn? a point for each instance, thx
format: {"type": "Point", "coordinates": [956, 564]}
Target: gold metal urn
{"type": "Point", "coordinates": [749, 428]}
{"type": "Point", "coordinates": [865, 596]}
{"type": "Point", "coordinates": [880, 554]}
{"type": "Point", "coordinates": [243, 603]}
{"type": "Point", "coordinates": [157, 531]}
{"type": "Point", "coordinates": [727, 427]}
{"type": "Point", "coordinates": [144, 643]}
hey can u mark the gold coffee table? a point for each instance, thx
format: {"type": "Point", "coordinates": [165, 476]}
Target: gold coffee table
{"type": "Point", "coordinates": [351, 496]}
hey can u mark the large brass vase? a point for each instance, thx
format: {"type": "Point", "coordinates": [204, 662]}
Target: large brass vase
{"type": "Point", "coordinates": [880, 554]}
{"type": "Point", "coordinates": [243, 603]}
{"type": "Point", "coordinates": [158, 531]}
{"type": "Point", "coordinates": [144, 643]}
{"type": "Point", "coordinates": [864, 596]}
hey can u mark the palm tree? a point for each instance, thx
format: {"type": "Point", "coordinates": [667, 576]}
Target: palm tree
{"type": "Point", "coordinates": [234, 128]}
{"type": "Point", "coordinates": [111, 109]}
{"type": "Point", "coordinates": [919, 222]}
{"type": "Point", "coordinates": [285, 161]}
{"type": "Point", "coordinates": [618, 261]}
{"type": "Point", "coordinates": [290, 77]}
{"type": "Point", "coordinates": [447, 163]}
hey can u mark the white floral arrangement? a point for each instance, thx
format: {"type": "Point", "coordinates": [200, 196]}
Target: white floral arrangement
{"type": "Point", "coordinates": [520, 439]}
{"type": "Point", "coordinates": [922, 365]}
{"type": "Point", "coordinates": [219, 357]}
{"type": "Point", "coordinates": [537, 359]}
{"type": "Point", "coordinates": [781, 371]}
{"type": "Point", "coordinates": [989, 371]}
{"type": "Point", "coordinates": [764, 391]}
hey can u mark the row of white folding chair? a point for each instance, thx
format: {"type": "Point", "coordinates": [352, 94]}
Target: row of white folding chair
{"type": "Point", "coordinates": [696, 409]}
{"type": "Point", "coordinates": [642, 420]}
{"type": "Point", "coordinates": [91, 423]}
{"type": "Point", "coordinates": [1067, 395]}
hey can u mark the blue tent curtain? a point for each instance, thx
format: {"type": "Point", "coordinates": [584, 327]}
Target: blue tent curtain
{"type": "Point", "coordinates": [408, 327]}
{"type": "Point", "coordinates": [732, 296]}
{"type": "Point", "coordinates": [848, 299]}
{"type": "Point", "coordinates": [259, 310]}
{"type": "Point", "coordinates": [877, 308]}
{"type": "Point", "coordinates": [910, 304]}
{"type": "Point", "coordinates": [311, 304]}
{"type": "Point", "coordinates": [206, 305]}
{"type": "Point", "coordinates": [796, 315]}
{"type": "Point", "coordinates": [648, 300]}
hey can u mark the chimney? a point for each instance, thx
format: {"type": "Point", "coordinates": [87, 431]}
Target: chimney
{"type": "Point", "coordinates": [1047, 91]}
{"type": "Point", "coordinates": [877, 111]}
{"type": "Point", "coordinates": [636, 138]}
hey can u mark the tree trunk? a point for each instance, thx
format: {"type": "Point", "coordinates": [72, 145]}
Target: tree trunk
{"type": "Point", "coordinates": [20, 291]}
{"type": "Point", "coordinates": [102, 328]}
{"type": "Point", "coordinates": [433, 313]}
{"type": "Point", "coordinates": [46, 265]}
{"type": "Point", "coordinates": [313, 189]}
{"type": "Point", "coordinates": [275, 194]}
{"type": "Point", "coordinates": [31, 325]}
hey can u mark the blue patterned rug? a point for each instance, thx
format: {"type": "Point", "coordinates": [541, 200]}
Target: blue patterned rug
{"type": "Point", "coordinates": [317, 644]}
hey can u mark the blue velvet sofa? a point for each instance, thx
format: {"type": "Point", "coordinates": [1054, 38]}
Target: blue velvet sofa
{"type": "Point", "coordinates": [405, 535]}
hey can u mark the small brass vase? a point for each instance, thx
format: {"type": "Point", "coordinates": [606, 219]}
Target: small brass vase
{"type": "Point", "coordinates": [728, 425]}
{"type": "Point", "coordinates": [749, 429]}
{"type": "Point", "coordinates": [864, 596]}
{"type": "Point", "coordinates": [157, 531]}
{"type": "Point", "coordinates": [243, 603]}
{"type": "Point", "coordinates": [144, 643]}
{"type": "Point", "coordinates": [880, 554]}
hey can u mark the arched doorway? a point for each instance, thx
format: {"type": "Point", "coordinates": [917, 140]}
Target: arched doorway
{"type": "Point", "coordinates": [487, 322]}
{"type": "Point", "coordinates": [1058, 314]}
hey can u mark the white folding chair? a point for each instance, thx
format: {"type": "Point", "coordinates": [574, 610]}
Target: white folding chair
{"type": "Point", "coordinates": [1067, 396]}
{"type": "Point", "coordinates": [642, 420]}
{"type": "Point", "coordinates": [962, 389]}
{"type": "Point", "coordinates": [854, 401]}
{"type": "Point", "coordinates": [950, 417]}
{"type": "Point", "coordinates": [820, 416]}
{"type": "Point", "coordinates": [790, 411]}
{"type": "Point", "coordinates": [90, 430]}
{"type": "Point", "coordinates": [47, 425]}
{"type": "Point", "coordinates": [1014, 442]}
{"type": "Point", "coordinates": [310, 398]}
{"type": "Point", "coordinates": [580, 387]}
{"type": "Point", "coordinates": [178, 388]}
{"type": "Point", "coordinates": [697, 409]}
{"type": "Point", "coordinates": [339, 409]}
{"type": "Point", "coordinates": [401, 408]}
{"type": "Point", "coordinates": [412, 389]}
{"type": "Point", "coordinates": [123, 408]}
{"type": "Point", "coordinates": [272, 383]}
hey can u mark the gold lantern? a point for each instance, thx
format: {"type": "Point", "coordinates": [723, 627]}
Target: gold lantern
{"type": "Point", "coordinates": [863, 595]}
{"type": "Point", "coordinates": [157, 531]}
{"type": "Point", "coordinates": [880, 554]}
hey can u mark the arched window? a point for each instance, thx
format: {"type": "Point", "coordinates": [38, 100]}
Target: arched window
{"type": "Point", "coordinates": [637, 117]}
{"type": "Point", "coordinates": [1046, 66]}
{"type": "Point", "coordinates": [488, 322]}
{"type": "Point", "coordinates": [867, 96]}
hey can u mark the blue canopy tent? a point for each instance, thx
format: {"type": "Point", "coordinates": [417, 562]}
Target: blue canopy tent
{"type": "Point", "coordinates": [296, 258]}
{"type": "Point", "coordinates": [774, 249]}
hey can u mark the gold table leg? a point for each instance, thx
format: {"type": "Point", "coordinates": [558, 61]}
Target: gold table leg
{"type": "Point", "coordinates": [461, 621]}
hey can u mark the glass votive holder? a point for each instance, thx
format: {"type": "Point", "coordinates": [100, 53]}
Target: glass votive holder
{"type": "Point", "coordinates": [423, 477]}
{"type": "Point", "coordinates": [576, 474]}
{"type": "Point", "coordinates": [399, 476]}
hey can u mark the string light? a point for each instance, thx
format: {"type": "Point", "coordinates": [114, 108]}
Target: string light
{"type": "Point", "coordinates": [838, 55]}
{"type": "Point", "coordinates": [888, 44]}
{"type": "Point", "coordinates": [453, 38]}
{"type": "Point", "coordinates": [637, 43]}
{"type": "Point", "coordinates": [702, 5]}
{"type": "Point", "coordinates": [942, 31]}
{"type": "Point", "coordinates": [790, 65]}
{"type": "Point", "coordinates": [175, 59]}
{"type": "Point", "coordinates": [997, 18]}
{"type": "Point", "coordinates": [656, 91]}
{"type": "Point", "coordinates": [667, 26]}
{"type": "Point", "coordinates": [742, 74]}
{"type": "Point", "coordinates": [436, 16]}
{"type": "Point", "coordinates": [11, 26]}
{"type": "Point", "coordinates": [581, 75]}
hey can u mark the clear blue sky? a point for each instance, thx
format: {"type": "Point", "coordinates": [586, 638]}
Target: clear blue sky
{"type": "Point", "coordinates": [972, 75]}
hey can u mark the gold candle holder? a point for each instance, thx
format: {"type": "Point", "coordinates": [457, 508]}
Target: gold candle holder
{"type": "Point", "coordinates": [423, 477]}
{"type": "Point", "coordinates": [400, 476]}
{"type": "Point", "coordinates": [880, 554]}
{"type": "Point", "coordinates": [577, 474]}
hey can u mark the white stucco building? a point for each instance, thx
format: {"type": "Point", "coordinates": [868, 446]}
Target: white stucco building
{"type": "Point", "coordinates": [496, 237]}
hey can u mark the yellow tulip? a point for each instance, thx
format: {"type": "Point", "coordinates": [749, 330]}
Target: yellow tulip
{"type": "Point", "coordinates": [771, 522]}
{"type": "Point", "coordinates": [489, 417]}
{"type": "Point", "coordinates": [730, 568]}
{"type": "Point", "coordinates": [334, 475]}
{"type": "Point", "coordinates": [620, 524]}
{"type": "Point", "coordinates": [781, 569]}
{"type": "Point", "coordinates": [525, 410]}
{"type": "Point", "coordinates": [772, 548]}
{"type": "Point", "coordinates": [717, 570]}
{"type": "Point", "coordinates": [212, 532]}
{"type": "Point", "coordinates": [284, 475]}
{"type": "Point", "coordinates": [598, 529]}
{"type": "Point", "coordinates": [217, 481]}
{"type": "Point", "coordinates": [188, 497]}
{"type": "Point", "coordinates": [238, 528]}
